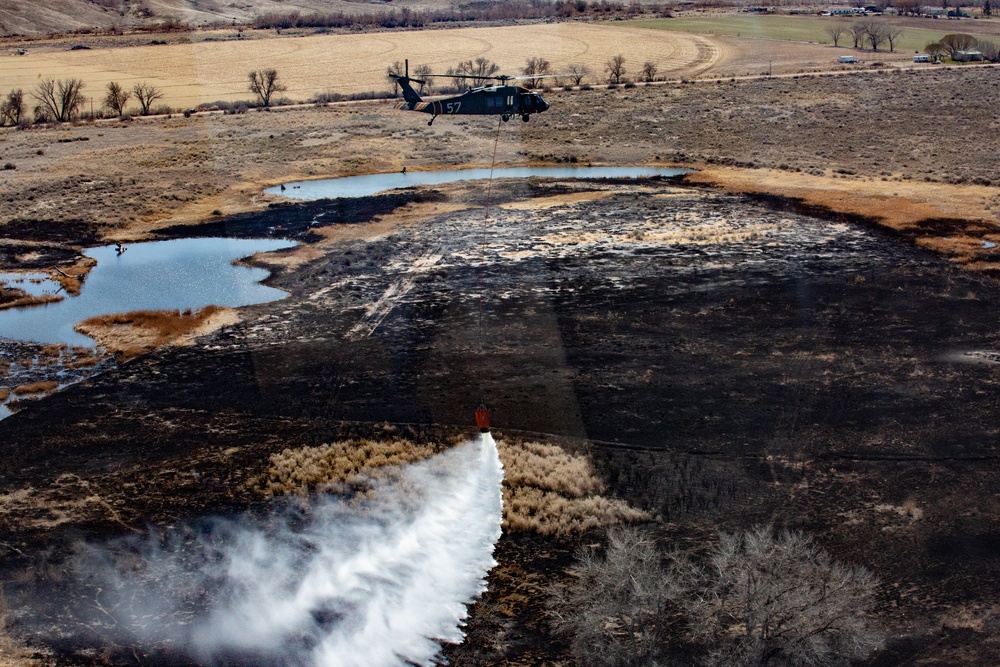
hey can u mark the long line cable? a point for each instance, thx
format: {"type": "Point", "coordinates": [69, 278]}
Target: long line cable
{"type": "Point", "coordinates": [482, 265]}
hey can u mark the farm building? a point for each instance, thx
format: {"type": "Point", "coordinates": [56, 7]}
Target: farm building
{"type": "Point", "coordinates": [967, 56]}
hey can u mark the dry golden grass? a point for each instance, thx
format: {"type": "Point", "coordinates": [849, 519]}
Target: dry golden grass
{"type": "Point", "coordinates": [545, 490]}
{"type": "Point", "coordinates": [21, 300]}
{"type": "Point", "coordinates": [4, 394]}
{"type": "Point", "coordinates": [193, 73]}
{"type": "Point", "coordinates": [137, 332]}
{"type": "Point", "coordinates": [4, 367]}
{"type": "Point", "coordinates": [298, 471]}
{"type": "Point", "coordinates": [552, 492]}
{"type": "Point", "coordinates": [84, 362]}
{"type": "Point", "coordinates": [42, 387]}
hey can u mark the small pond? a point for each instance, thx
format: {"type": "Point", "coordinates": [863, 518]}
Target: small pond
{"type": "Point", "coordinates": [161, 275]}
{"type": "Point", "coordinates": [361, 186]}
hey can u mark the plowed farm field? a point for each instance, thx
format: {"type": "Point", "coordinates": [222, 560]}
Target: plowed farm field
{"type": "Point", "coordinates": [215, 66]}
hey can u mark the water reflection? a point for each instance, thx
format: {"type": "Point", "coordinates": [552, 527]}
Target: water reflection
{"type": "Point", "coordinates": [361, 186]}
{"type": "Point", "coordinates": [180, 274]}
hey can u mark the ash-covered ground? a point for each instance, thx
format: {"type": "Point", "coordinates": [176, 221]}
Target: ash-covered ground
{"type": "Point", "coordinates": [725, 364]}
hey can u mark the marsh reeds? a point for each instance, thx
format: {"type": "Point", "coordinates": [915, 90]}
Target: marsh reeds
{"type": "Point", "coordinates": [134, 333]}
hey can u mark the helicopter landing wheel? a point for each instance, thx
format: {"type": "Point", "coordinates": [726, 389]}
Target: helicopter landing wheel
{"type": "Point", "coordinates": [505, 117]}
{"type": "Point", "coordinates": [525, 118]}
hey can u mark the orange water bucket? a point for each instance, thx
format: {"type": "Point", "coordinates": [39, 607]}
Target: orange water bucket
{"type": "Point", "coordinates": [483, 418]}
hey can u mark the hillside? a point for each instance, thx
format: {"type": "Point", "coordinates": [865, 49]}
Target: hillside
{"type": "Point", "coordinates": [42, 17]}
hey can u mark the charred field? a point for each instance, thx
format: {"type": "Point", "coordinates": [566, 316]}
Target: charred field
{"type": "Point", "coordinates": [722, 363]}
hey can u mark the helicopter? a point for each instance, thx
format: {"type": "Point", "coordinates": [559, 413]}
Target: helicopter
{"type": "Point", "coordinates": [503, 100]}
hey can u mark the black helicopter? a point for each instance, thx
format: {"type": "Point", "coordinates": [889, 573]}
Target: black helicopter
{"type": "Point", "coordinates": [503, 100]}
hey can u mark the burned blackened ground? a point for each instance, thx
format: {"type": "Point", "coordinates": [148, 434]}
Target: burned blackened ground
{"type": "Point", "coordinates": [725, 364]}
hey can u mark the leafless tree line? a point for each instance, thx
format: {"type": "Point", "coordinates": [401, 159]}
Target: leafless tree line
{"type": "Point", "coordinates": [757, 598]}
{"type": "Point", "coordinates": [62, 100]}
{"type": "Point", "coordinates": [871, 31]}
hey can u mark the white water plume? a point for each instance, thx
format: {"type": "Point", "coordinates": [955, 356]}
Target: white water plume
{"type": "Point", "coordinates": [380, 580]}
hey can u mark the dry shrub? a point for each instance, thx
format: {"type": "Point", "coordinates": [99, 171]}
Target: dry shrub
{"type": "Point", "coordinates": [84, 362]}
{"type": "Point", "coordinates": [4, 367]}
{"type": "Point", "coordinates": [4, 395]}
{"type": "Point", "coordinates": [545, 489]}
{"type": "Point", "coordinates": [36, 388]}
{"type": "Point", "coordinates": [549, 468]}
{"type": "Point", "coordinates": [554, 492]}
{"type": "Point", "coordinates": [528, 508]}
{"type": "Point", "coordinates": [300, 470]}
{"type": "Point", "coordinates": [53, 349]}
{"type": "Point", "coordinates": [134, 333]}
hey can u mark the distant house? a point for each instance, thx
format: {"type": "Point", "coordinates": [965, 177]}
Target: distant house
{"type": "Point", "coordinates": [845, 11]}
{"type": "Point", "coordinates": [967, 56]}
{"type": "Point", "coordinates": [921, 58]}
{"type": "Point", "coordinates": [933, 11]}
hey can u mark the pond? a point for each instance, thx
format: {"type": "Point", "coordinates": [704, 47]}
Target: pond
{"type": "Point", "coordinates": [369, 184]}
{"type": "Point", "coordinates": [160, 275]}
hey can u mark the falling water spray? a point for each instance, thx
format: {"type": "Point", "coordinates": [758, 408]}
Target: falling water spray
{"type": "Point", "coordinates": [384, 579]}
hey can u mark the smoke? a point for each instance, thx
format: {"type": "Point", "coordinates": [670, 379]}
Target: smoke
{"type": "Point", "coordinates": [382, 579]}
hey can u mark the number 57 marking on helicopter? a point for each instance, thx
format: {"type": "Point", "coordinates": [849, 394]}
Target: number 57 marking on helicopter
{"type": "Point", "coordinates": [501, 99]}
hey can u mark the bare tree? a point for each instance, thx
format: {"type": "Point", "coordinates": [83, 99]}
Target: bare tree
{"type": "Point", "coordinates": [874, 31]}
{"type": "Point", "coordinates": [757, 599]}
{"type": "Point", "coordinates": [613, 612]}
{"type": "Point", "coordinates": [578, 73]}
{"type": "Point", "coordinates": [934, 50]}
{"type": "Point", "coordinates": [892, 35]}
{"type": "Point", "coordinates": [146, 94]}
{"type": "Point", "coordinates": [857, 31]}
{"type": "Point", "coordinates": [836, 31]}
{"type": "Point", "coordinates": [987, 9]}
{"type": "Point", "coordinates": [12, 108]}
{"type": "Point", "coordinates": [116, 98]}
{"type": "Point", "coordinates": [990, 50]}
{"type": "Point", "coordinates": [391, 72]}
{"type": "Point", "coordinates": [264, 84]}
{"type": "Point", "coordinates": [769, 599]}
{"type": "Point", "coordinates": [421, 71]}
{"type": "Point", "coordinates": [649, 70]}
{"type": "Point", "coordinates": [956, 42]}
{"type": "Point", "coordinates": [473, 73]}
{"type": "Point", "coordinates": [536, 67]}
{"type": "Point", "coordinates": [911, 7]}
{"type": "Point", "coordinates": [58, 100]}
{"type": "Point", "coordinates": [615, 67]}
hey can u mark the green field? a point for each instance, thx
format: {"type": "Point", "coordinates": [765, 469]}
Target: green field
{"type": "Point", "coordinates": [795, 29]}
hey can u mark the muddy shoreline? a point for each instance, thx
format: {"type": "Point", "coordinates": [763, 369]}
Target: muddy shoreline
{"type": "Point", "coordinates": [724, 364]}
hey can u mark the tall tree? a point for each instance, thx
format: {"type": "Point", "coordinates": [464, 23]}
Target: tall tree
{"type": "Point", "coordinates": [892, 35]}
{"type": "Point", "coordinates": [857, 31]}
{"type": "Point", "coordinates": [116, 97]}
{"type": "Point", "coordinates": [264, 83]}
{"type": "Point", "coordinates": [58, 100]}
{"type": "Point", "coordinates": [421, 72]}
{"type": "Point", "coordinates": [874, 32]}
{"type": "Point", "coordinates": [146, 94]}
{"type": "Point", "coordinates": [956, 42]}
{"type": "Point", "coordinates": [836, 31]}
{"type": "Point", "coordinates": [649, 70]}
{"type": "Point", "coordinates": [578, 73]}
{"type": "Point", "coordinates": [391, 72]}
{"type": "Point", "coordinates": [615, 67]}
{"type": "Point", "coordinates": [12, 108]}
{"type": "Point", "coordinates": [536, 67]}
